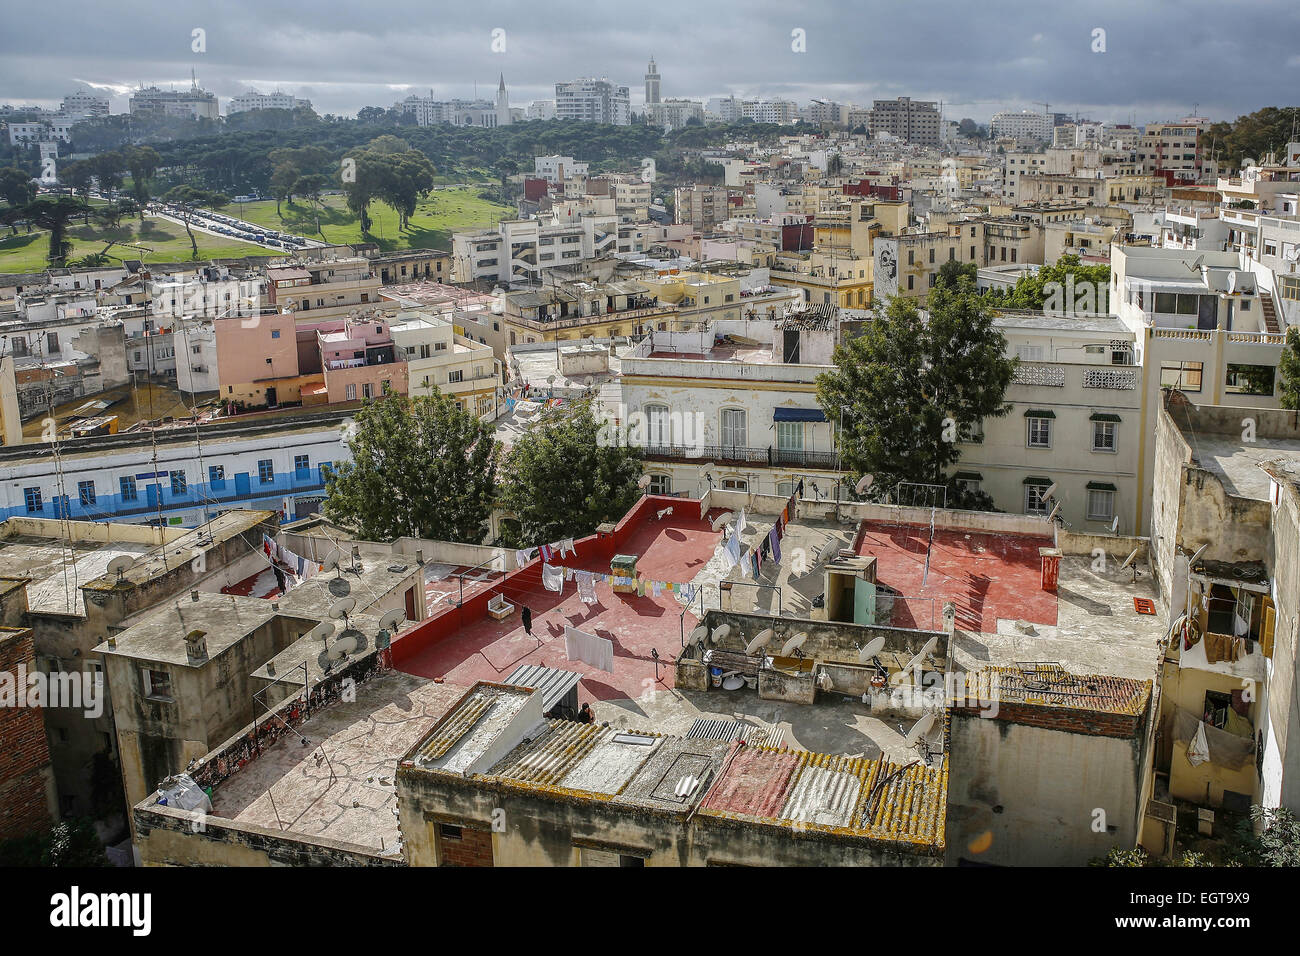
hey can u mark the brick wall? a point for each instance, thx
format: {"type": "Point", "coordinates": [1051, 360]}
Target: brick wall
{"type": "Point", "coordinates": [1065, 719]}
{"type": "Point", "coordinates": [25, 771]}
{"type": "Point", "coordinates": [471, 848]}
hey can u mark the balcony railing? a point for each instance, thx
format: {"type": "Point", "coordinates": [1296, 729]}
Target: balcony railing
{"type": "Point", "coordinates": [1053, 375]}
{"type": "Point", "coordinates": [742, 455]}
{"type": "Point", "coordinates": [1116, 378]}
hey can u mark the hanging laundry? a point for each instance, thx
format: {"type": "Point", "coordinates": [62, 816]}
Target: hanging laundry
{"type": "Point", "coordinates": [566, 547]}
{"type": "Point", "coordinates": [553, 578]}
{"type": "Point", "coordinates": [775, 540]}
{"type": "Point", "coordinates": [586, 586]}
{"type": "Point", "coordinates": [588, 648]}
{"type": "Point", "coordinates": [741, 523]}
{"type": "Point", "coordinates": [658, 588]}
{"type": "Point", "coordinates": [732, 551]}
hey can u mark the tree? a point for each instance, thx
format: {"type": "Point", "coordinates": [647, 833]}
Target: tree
{"type": "Point", "coordinates": [79, 176]}
{"type": "Point", "coordinates": [283, 180]}
{"type": "Point", "coordinates": [108, 171]}
{"type": "Point", "coordinates": [189, 196]}
{"type": "Point", "coordinates": [421, 467]}
{"type": "Point", "coordinates": [16, 187]}
{"type": "Point", "coordinates": [1277, 843]}
{"type": "Point", "coordinates": [1067, 285]}
{"type": "Point", "coordinates": [311, 186]}
{"type": "Point", "coordinates": [562, 479]}
{"type": "Point", "coordinates": [1288, 367]}
{"type": "Point", "coordinates": [908, 388]}
{"type": "Point", "coordinates": [68, 843]}
{"type": "Point", "coordinates": [143, 161]}
{"type": "Point", "coordinates": [54, 213]}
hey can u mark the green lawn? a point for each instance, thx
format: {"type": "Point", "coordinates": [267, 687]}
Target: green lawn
{"type": "Point", "coordinates": [436, 217]}
{"type": "Point", "coordinates": [166, 242]}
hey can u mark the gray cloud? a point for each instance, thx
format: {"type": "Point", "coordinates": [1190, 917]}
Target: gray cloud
{"type": "Point", "coordinates": [1161, 58]}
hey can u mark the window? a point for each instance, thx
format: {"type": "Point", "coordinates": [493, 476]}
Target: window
{"type": "Point", "coordinates": [449, 832]}
{"type": "Point", "coordinates": [367, 390]}
{"type": "Point", "coordinates": [350, 392]}
{"type": "Point", "coordinates": [659, 430]}
{"type": "Point", "coordinates": [216, 476]}
{"type": "Point", "coordinates": [127, 486]}
{"type": "Point", "coordinates": [157, 684]}
{"type": "Point", "coordinates": [1035, 500]}
{"type": "Point", "coordinates": [455, 375]}
{"type": "Point", "coordinates": [1039, 432]}
{"type": "Point", "coordinates": [735, 484]}
{"type": "Point", "coordinates": [1103, 436]}
{"type": "Point", "coordinates": [34, 501]}
{"type": "Point", "coordinates": [911, 283]}
{"type": "Point", "coordinates": [1185, 376]}
{"type": "Point", "coordinates": [265, 471]}
{"type": "Point", "coordinates": [1029, 353]}
{"type": "Point", "coordinates": [1249, 379]}
{"type": "Point", "coordinates": [178, 483]}
{"type": "Point", "coordinates": [301, 465]}
{"type": "Point", "coordinates": [86, 493]}
{"type": "Point", "coordinates": [275, 333]}
{"type": "Point", "coordinates": [660, 485]}
{"type": "Point", "coordinates": [734, 431]}
{"type": "Point", "coordinates": [1101, 504]}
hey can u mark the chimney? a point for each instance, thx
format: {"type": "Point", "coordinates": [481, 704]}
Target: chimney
{"type": "Point", "coordinates": [196, 647]}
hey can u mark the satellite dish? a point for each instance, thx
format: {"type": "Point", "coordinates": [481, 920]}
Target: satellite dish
{"type": "Point", "coordinates": [720, 633]}
{"type": "Point", "coordinates": [120, 565]}
{"type": "Point", "coordinates": [918, 660]}
{"type": "Point", "coordinates": [392, 618]}
{"type": "Point", "coordinates": [796, 641]}
{"type": "Point", "coordinates": [342, 607]}
{"type": "Point", "coordinates": [871, 650]}
{"type": "Point", "coordinates": [722, 519]}
{"type": "Point", "coordinates": [339, 587]}
{"type": "Point", "coordinates": [1056, 509]}
{"type": "Point", "coordinates": [1192, 561]}
{"type": "Point", "coordinates": [643, 481]}
{"type": "Point", "coordinates": [919, 730]}
{"type": "Point", "coordinates": [331, 560]}
{"type": "Point", "coordinates": [321, 631]}
{"type": "Point", "coordinates": [865, 482]}
{"type": "Point", "coordinates": [760, 640]}
{"type": "Point", "coordinates": [345, 645]}
{"type": "Point", "coordinates": [1130, 559]}
{"type": "Point", "coordinates": [699, 635]}
{"type": "Point", "coordinates": [1049, 491]}
{"type": "Point", "coordinates": [1114, 525]}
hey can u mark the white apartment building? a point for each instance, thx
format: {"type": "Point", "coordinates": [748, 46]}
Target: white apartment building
{"type": "Point", "coordinates": [518, 251]}
{"type": "Point", "coordinates": [44, 131]}
{"type": "Point", "coordinates": [277, 100]}
{"type": "Point", "coordinates": [1021, 125]}
{"type": "Point", "coordinates": [591, 100]}
{"type": "Point", "coordinates": [733, 418]}
{"type": "Point", "coordinates": [540, 110]}
{"type": "Point", "coordinates": [674, 113]}
{"type": "Point", "coordinates": [439, 359]}
{"type": "Point", "coordinates": [429, 111]}
{"type": "Point", "coordinates": [556, 169]}
{"type": "Point", "coordinates": [1017, 164]}
{"type": "Point", "coordinates": [84, 103]}
{"type": "Point", "coordinates": [778, 111]}
{"type": "Point", "coordinates": [194, 102]}
{"type": "Point", "coordinates": [1172, 148]}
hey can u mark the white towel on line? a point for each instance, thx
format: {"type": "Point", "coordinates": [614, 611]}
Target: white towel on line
{"type": "Point", "coordinates": [588, 648]}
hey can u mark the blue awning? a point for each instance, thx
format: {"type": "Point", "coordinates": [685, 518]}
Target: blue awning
{"type": "Point", "coordinates": [798, 415]}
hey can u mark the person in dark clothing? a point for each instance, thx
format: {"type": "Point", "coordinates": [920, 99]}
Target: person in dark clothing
{"type": "Point", "coordinates": [527, 616]}
{"type": "Point", "coordinates": [585, 716]}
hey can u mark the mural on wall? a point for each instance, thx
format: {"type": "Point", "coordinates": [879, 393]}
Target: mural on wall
{"type": "Point", "coordinates": [886, 268]}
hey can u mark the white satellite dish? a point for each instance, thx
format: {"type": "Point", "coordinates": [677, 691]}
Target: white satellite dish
{"type": "Point", "coordinates": [916, 662]}
{"type": "Point", "coordinates": [760, 640]}
{"type": "Point", "coordinates": [794, 642]}
{"type": "Point", "coordinates": [120, 565]}
{"type": "Point", "coordinates": [706, 469]}
{"type": "Point", "coordinates": [722, 519]}
{"type": "Point", "coordinates": [341, 648]}
{"type": "Point", "coordinates": [1114, 525]}
{"type": "Point", "coordinates": [342, 607]}
{"type": "Point", "coordinates": [919, 730]}
{"type": "Point", "coordinates": [392, 618]}
{"type": "Point", "coordinates": [720, 633]}
{"type": "Point", "coordinates": [1130, 559]}
{"type": "Point", "coordinates": [872, 648]}
{"type": "Point", "coordinates": [1049, 491]}
{"type": "Point", "coordinates": [321, 631]}
{"type": "Point", "coordinates": [331, 560]}
{"type": "Point", "coordinates": [865, 482]}
{"type": "Point", "coordinates": [699, 635]}
{"type": "Point", "coordinates": [1056, 509]}
{"type": "Point", "coordinates": [643, 481]}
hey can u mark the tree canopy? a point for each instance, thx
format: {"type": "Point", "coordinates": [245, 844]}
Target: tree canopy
{"type": "Point", "coordinates": [1288, 367]}
{"type": "Point", "coordinates": [562, 479]}
{"type": "Point", "coordinates": [910, 386]}
{"type": "Point", "coordinates": [421, 467]}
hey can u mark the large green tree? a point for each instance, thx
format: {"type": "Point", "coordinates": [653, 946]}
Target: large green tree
{"type": "Point", "coordinates": [16, 186]}
{"type": "Point", "coordinates": [192, 197]}
{"type": "Point", "coordinates": [562, 479]}
{"type": "Point", "coordinates": [54, 213]}
{"type": "Point", "coordinates": [1288, 367]}
{"type": "Point", "coordinates": [143, 161]}
{"type": "Point", "coordinates": [420, 467]}
{"type": "Point", "coordinates": [911, 385]}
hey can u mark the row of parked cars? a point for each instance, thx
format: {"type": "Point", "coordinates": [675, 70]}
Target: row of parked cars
{"type": "Point", "coordinates": [235, 228]}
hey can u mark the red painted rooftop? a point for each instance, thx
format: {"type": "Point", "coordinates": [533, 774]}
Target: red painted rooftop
{"type": "Point", "coordinates": [465, 645]}
{"type": "Point", "coordinates": [988, 576]}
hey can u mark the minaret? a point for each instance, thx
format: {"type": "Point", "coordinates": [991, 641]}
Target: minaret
{"type": "Point", "coordinates": [651, 83]}
{"type": "Point", "coordinates": [503, 103]}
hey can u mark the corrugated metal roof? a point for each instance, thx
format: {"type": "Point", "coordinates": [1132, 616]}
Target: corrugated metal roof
{"type": "Point", "coordinates": [552, 682]}
{"type": "Point", "coordinates": [549, 758]}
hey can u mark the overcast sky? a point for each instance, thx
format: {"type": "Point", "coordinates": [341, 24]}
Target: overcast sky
{"type": "Point", "coordinates": [1161, 58]}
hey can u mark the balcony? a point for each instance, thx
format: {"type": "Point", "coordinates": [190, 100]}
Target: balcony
{"type": "Point", "coordinates": [1113, 378]}
{"type": "Point", "coordinates": [769, 457]}
{"type": "Point", "coordinates": [1051, 375]}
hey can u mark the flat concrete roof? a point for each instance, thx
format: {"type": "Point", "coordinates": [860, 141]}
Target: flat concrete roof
{"type": "Point", "coordinates": [224, 620]}
{"type": "Point", "coordinates": [350, 796]}
{"type": "Point", "coordinates": [1237, 463]}
{"type": "Point", "coordinates": [59, 569]}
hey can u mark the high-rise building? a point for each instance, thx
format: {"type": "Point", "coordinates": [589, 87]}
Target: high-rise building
{"type": "Point", "coordinates": [590, 100]}
{"type": "Point", "coordinates": [1022, 124]}
{"type": "Point", "coordinates": [194, 102]}
{"type": "Point", "coordinates": [503, 104]}
{"type": "Point", "coordinates": [651, 83]}
{"type": "Point", "coordinates": [913, 121]}
{"type": "Point", "coordinates": [253, 100]}
{"type": "Point", "coordinates": [84, 103]}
